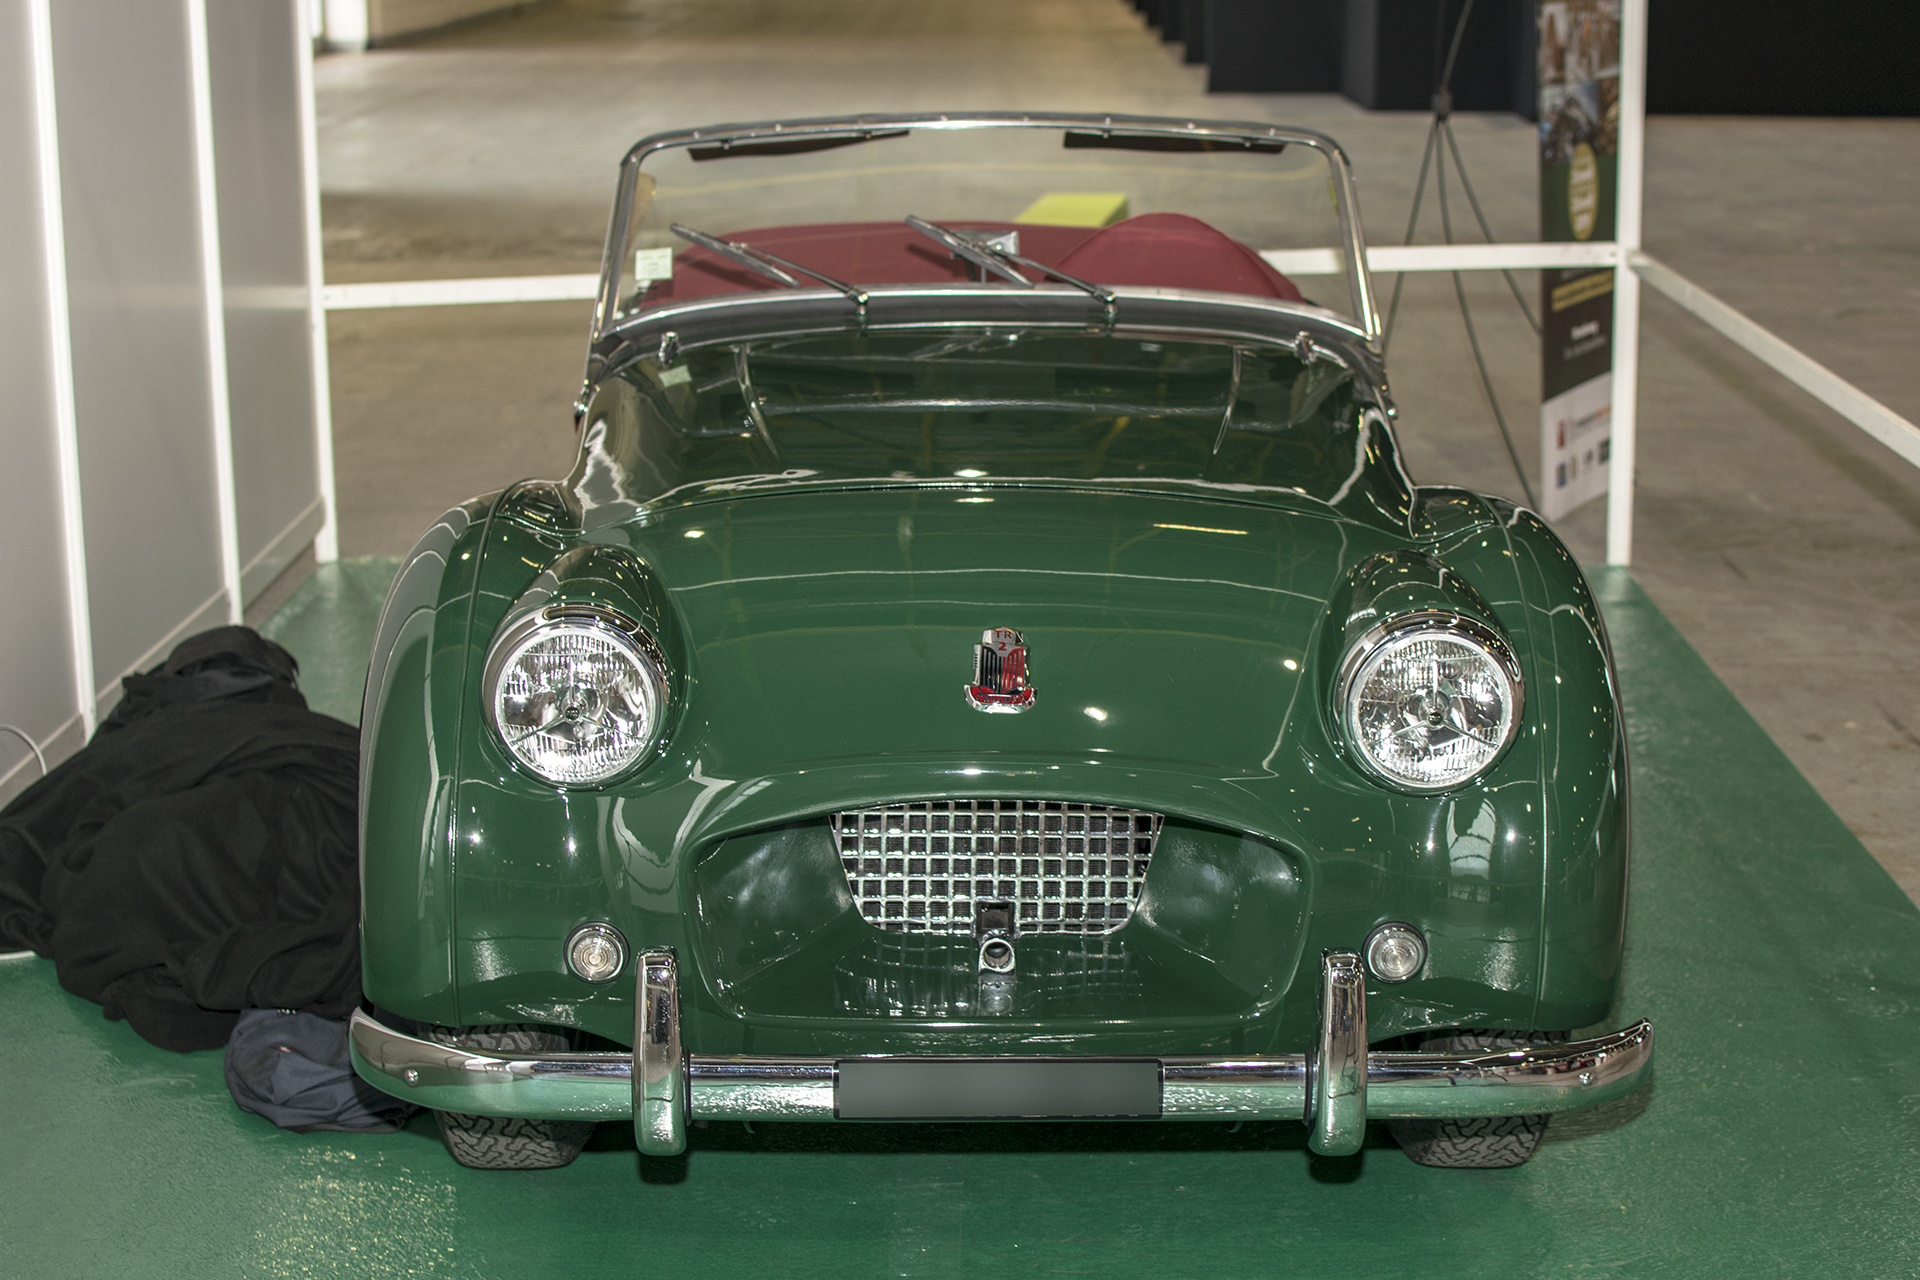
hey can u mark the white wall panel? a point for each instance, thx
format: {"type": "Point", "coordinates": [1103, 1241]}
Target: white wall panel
{"type": "Point", "coordinates": [140, 361]}
{"type": "Point", "coordinates": [263, 256]}
{"type": "Point", "coordinates": [36, 663]}
{"type": "Point", "coordinates": [154, 155]}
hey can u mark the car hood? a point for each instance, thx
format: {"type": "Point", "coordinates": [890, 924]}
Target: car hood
{"type": "Point", "coordinates": [836, 632]}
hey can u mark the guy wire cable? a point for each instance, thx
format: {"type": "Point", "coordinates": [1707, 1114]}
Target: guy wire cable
{"type": "Point", "coordinates": [1473, 339]}
{"type": "Point", "coordinates": [1442, 113]}
{"type": "Point", "coordinates": [1442, 108]}
{"type": "Point", "coordinates": [1413, 220]}
{"type": "Point", "coordinates": [1466, 184]}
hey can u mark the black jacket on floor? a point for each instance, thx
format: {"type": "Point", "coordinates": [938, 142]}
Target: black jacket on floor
{"type": "Point", "coordinates": [198, 856]}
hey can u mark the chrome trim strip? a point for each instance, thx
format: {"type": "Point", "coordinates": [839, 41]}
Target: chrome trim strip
{"type": "Point", "coordinates": [750, 1088]}
{"type": "Point", "coordinates": [1337, 1124]}
{"type": "Point", "coordinates": [660, 1084]}
{"type": "Point", "coordinates": [1270, 1088]}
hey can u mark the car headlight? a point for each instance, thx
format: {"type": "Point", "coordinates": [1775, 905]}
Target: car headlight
{"type": "Point", "coordinates": [576, 693]}
{"type": "Point", "coordinates": [1429, 700]}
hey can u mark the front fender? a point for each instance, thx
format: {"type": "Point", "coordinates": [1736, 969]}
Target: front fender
{"type": "Point", "coordinates": [1579, 741]}
{"type": "Point", "coordinates": [1584, 780]}
{"type": "Point", "coordinates": [409, 728]}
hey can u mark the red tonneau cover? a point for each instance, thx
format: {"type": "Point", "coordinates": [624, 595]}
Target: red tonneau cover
{"type": "Point", "coordinates": [1165, 250]}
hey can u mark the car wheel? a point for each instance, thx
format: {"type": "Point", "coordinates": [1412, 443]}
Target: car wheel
{"type": "Point", "coordinates": [509, 1142]}
{"type": "Point", "coordinates": [1489, 1142]}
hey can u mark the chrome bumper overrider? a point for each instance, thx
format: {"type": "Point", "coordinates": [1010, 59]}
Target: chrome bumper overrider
{"type": "Point", "coordinates": [1335, 1090]}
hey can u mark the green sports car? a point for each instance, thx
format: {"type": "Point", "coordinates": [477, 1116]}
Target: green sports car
{"type": "Point", "coordinates": [989, 662]}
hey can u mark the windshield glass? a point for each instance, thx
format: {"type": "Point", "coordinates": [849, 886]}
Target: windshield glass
{"type": "Point", "coordinates": [979, 407]}
{"type": "Point", "coordinates": [1257, 218]}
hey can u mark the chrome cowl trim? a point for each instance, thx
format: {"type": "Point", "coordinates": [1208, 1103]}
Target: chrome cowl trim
{"type": "Point", "coordinates": [1335, 1090]}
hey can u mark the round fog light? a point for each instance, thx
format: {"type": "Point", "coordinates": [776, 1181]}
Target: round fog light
{"type": "Point", "coordinates": [596, 952]}
{"type": "Point", "coordinates": [1396, 952]}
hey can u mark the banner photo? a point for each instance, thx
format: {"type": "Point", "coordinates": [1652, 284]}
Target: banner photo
{"type": "Point", "coordinates": [1579, 161]}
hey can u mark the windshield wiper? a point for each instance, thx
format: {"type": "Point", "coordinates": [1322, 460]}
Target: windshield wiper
{"type": "Point", "coordinates": [986, 257]}
{"type": "Point", "coordinates": [770, 265]}
{"type": "Point", "coordinates": [1002, 262]}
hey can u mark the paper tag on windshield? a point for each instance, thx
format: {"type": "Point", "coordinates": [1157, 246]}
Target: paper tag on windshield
{"type": "Point", "coordinates": [652, 264]}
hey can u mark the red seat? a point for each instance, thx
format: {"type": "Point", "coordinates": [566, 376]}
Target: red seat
{"type": "Point", "coordinates": [864, 253]}
{"type": "Point", "coordinates": [1173, 251]}
{"type": "Point", "coordinates": [1168, 250]}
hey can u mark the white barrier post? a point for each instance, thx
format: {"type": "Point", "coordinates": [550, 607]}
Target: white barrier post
{"type": "Point", "coordinates": [326, 543]}
{"type": "Point", "coordinates": [53, 229]}
{"type": "Point", "coordinates": [1629, 183]}
{"type": "Point", "coordinates": [213, 287]}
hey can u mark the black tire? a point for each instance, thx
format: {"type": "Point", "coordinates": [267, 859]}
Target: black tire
{"type": "Point", "coordinates": [1492, 1142]}
{"type": "Point", "coordinates": [507, 1142]}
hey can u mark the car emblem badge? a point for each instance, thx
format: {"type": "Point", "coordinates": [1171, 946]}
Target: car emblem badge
{"type": "Point", "coordinates": [1000, 673]}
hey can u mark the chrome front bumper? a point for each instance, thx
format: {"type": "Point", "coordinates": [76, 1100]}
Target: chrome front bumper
{"type": "Point", "coordinates": [1335, 1090]}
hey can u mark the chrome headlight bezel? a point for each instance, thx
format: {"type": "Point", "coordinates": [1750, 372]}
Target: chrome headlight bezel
{"type": "Point", "coordinates": [1408, 628]}
{"type": "Point", "coordinates": [606, 624]}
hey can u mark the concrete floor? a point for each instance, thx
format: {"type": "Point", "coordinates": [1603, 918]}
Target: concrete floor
{"type": "Point", "coordinates": [1783, 542]}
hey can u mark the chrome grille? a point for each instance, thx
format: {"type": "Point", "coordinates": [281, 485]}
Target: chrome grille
{"type": "Point", "coordinates": [928, 865]}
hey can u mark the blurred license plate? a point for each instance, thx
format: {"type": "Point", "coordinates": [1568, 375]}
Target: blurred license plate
{"type": "Point", "coordinates": [996, 1089]}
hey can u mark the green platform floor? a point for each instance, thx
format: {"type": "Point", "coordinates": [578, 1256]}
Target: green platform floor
{"type": "Point", "coordinates": [1780, 1135]}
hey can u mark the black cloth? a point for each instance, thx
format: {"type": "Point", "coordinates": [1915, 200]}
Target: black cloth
{"type": "Point", "coordinates": [198, 856]}
{"type": "Point", "coordinates": [227, 662]}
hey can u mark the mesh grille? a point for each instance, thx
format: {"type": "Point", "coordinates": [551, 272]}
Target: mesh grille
{"type": "Point", "coordinates": [926, 866]}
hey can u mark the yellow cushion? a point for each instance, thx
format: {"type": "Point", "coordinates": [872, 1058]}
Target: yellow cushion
{"type": "Point", "coordinates": [1077, 209]}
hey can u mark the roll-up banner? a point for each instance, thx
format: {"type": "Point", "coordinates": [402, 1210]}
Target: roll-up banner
{"type": "Point", "coordinates": [1579, 150]}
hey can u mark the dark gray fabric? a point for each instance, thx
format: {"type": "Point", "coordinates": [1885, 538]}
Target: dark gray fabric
{"type": "Point", "coordinates": [293, 1069]}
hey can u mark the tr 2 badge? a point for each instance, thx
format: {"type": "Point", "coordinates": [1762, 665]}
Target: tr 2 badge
{"type": "Point", "coordinates": [1000, 673]}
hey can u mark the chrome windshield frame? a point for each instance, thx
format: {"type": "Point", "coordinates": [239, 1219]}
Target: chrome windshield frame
{"type": "Point", "coordinates": [863, 127]}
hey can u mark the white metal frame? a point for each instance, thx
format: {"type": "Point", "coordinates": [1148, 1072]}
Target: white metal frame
{"type": "Point", "coordinates": [1623, 254]}
{"type": "Point", "coordinates": [1630, 183]}
{"type": "Point", "coordinates": [66, 420]}
{"type": "Point", "coordinates": [1826, 386]}
{"type": "Point", "coordinates": [230, 601]}
{"type": "Point", "coordinates": [214, 305]}
{"type": "Point", "coordinates": [326, 543]}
